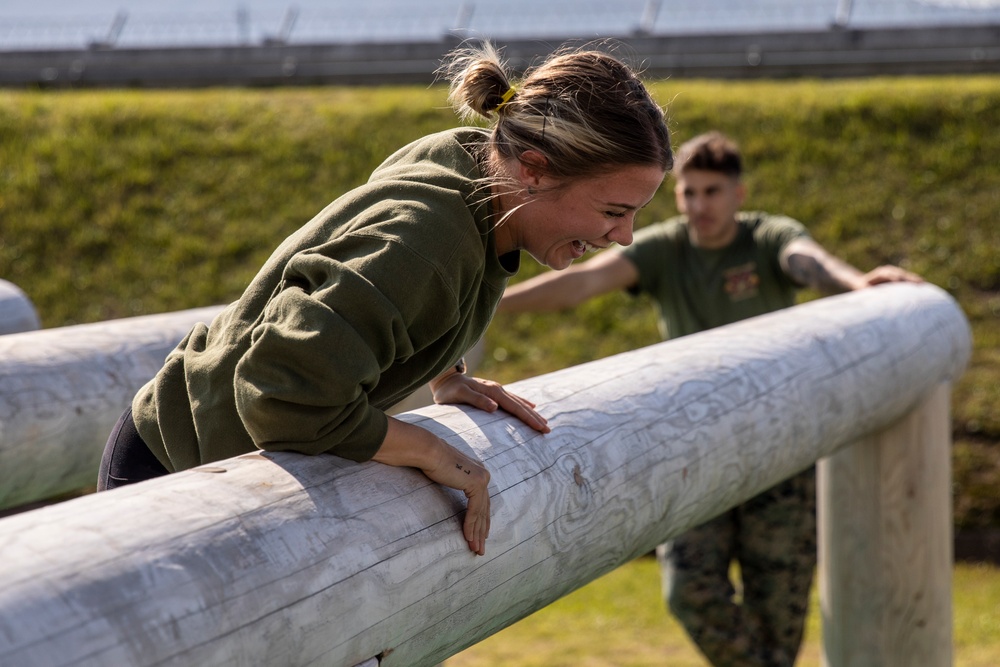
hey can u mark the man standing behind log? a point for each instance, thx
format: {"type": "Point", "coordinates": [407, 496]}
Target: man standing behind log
{"type": "Point", "coordinates": [711, 266]}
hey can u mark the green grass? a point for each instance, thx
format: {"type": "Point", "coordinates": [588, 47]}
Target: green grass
{"type": "Point", "coordinates": [123, 203]}
{"type": "Point", "coordinates": [620, 621]}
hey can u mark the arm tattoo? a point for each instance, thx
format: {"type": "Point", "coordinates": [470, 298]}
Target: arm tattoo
{"type": "Point", "coordinates": [815, 268]}
{"type": "Point", "coordinates": [805, 270]}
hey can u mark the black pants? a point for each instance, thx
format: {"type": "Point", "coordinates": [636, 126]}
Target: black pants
{"type": "Point", "coordinates": [127, 458]}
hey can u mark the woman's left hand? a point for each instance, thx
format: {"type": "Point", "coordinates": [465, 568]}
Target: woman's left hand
{"type": "Point", "coordinates": [456, 388]}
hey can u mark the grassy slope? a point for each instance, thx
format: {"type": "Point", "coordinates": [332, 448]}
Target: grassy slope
{"type": "Point", "coordinates": [121, 203]}
{"type": "Point", "coordinates": [619, 621]}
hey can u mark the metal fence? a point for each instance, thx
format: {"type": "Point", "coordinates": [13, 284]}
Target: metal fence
{"type": "Point", "coordinates": [400, 42]}
{"type": "Point", "coordinates": [64, 24]}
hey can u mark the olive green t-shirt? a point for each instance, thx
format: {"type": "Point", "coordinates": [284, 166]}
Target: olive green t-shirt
{"type": "Point", "coordinates": [697, 289]}
{"type": "Point", "coordinates": [382, 291]}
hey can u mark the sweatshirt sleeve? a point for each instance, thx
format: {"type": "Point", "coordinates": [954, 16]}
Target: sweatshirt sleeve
{"type": "Point", "coordinates": [343, 314]}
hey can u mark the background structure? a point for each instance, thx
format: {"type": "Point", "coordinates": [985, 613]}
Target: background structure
{"type": "Point", "coordinates": [276, 42]}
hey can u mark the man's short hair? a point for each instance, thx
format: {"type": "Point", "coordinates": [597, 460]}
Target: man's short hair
{"type": "Point", "coordinates": [712, 151]}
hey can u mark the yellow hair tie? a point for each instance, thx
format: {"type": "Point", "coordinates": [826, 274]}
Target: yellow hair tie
{"type": "Point", "coordinates": [505, 98]}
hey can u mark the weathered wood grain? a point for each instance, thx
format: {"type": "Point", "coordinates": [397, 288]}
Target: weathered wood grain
{"type": "Point", "coordinates": [886, 543]}
{"type": "Point", "coordinates": [63, 389]}
{"type": "Point", "coordinates": [296, 560]}
{"type": "Point", "coordinates": [17, 313]}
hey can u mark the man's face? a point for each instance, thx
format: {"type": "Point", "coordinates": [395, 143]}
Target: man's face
{"type": "Point", "coordinates": [710, 199]}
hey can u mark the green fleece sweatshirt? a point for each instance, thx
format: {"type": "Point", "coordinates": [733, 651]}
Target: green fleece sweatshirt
{"type": "Point", "coordinates": [382, 291]}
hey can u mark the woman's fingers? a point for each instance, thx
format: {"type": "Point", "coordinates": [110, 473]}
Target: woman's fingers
{"type": "Point", "coordinates": [410, 445]}
{"type": "Point", "coordinates": [476, 527]}
{"type": "Point", "coordinates": [458, 471]}
{"type": "Point", "coordinates": [488, 395]}
{"type": "Point", "coordinates": [523, 410]}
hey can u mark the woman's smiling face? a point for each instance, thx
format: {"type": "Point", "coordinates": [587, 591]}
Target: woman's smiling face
{"type": "Point", "coordinates": [559, 224]}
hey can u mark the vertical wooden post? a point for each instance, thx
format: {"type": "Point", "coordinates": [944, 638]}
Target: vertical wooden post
{"type": "Point", "coordinates": [885, 543]}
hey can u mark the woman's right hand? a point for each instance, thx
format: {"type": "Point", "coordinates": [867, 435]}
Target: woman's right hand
{"type": "Point", "coordinates": [409, 445]}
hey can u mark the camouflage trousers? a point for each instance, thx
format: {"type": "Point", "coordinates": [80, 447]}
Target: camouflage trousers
{"type": "Point", "coordinates": [772, 539]}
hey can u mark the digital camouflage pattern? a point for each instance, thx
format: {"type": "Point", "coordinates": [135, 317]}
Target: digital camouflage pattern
{"type": "Point", "coordinates": [758, 622]}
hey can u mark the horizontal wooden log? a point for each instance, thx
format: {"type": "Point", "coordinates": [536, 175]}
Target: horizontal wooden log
{"type": "Point", "coordinates": [17, 314]}
{"type": "Point", "coordinates": [63, 389]}
{"type": "Point", "coordinates": [61, 393]}
{"type": "Point", "coordinates": [296, 560]}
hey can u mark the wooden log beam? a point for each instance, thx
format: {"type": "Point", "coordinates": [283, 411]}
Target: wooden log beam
{"type": "Point", "coordinates": [63, 389]}
{"type": "Point", "coordinates": [296, 560]}
{"type": "Point", "coordinates": [17, 314]}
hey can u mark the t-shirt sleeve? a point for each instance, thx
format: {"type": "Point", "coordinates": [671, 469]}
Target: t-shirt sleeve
{"type": "Point", "coordinates": [774, 234]}
{"type": "Point", "coordinates": [341, 316]}
{"type": "Point", "coordinates": [778, 231]}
